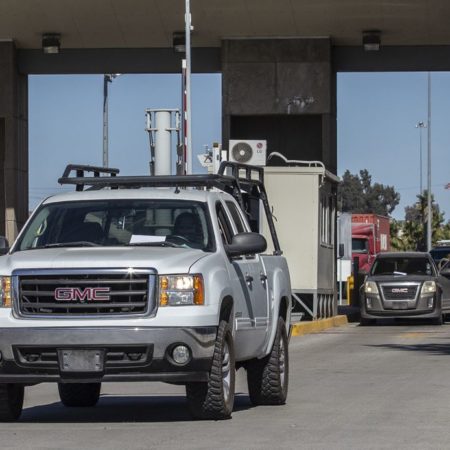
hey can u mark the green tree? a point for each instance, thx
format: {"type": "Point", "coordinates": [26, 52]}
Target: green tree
{"type": "Point", "coordinates": [410, 234]}
{"type": "Point", "coordinates": [357, 194]}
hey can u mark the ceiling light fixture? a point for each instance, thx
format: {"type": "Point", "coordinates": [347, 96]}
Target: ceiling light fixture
{"type": "Point", "coordinates": [51, 43]}
{"type": "Point", "coordinates": [179, 41]}
{"type": "Point", "coordinates": [371, 40]}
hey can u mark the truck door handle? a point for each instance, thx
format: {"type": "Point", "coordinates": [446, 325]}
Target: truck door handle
{"type": "Point", "coordinates": [248, 278]}
{"type": "Point", "coordinates": [263, 277]}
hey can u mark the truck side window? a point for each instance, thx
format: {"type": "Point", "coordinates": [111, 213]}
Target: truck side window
{"type": "Point", "coordinates": [237, 219]}
{"type": "Point", "coordinates": [224, 225]}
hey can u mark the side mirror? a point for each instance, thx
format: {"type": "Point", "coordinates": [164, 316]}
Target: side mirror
{"type": "Point", "coordinates": [4, 245]}
{"type": "Point", "coordinates": [445, 272]}
{"type": "Point", "coordinates": [246, 244]}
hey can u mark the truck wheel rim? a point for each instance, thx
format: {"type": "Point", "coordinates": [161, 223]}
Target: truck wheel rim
{"type": "Point", "coordinates": [226, 375]}
{"type": "Point", "coordinates": [281, 362]}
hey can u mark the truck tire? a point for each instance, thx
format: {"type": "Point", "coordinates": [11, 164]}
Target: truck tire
{"type": "Point", "coordinates": [268, 378]}
{"type": "Point", "coordinates": [214, 399]}
{"type": "Point", "coordinates": [11, 401]}
{"type": "Point", "coordinates": [79, 394]}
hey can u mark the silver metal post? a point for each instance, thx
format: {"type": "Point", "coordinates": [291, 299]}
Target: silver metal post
{"type": "Point", "coordinates": [420, 126]}
{"type": "Point", "coordinates": [106, 80]}
{"type": "Point", "coordinates": [188, 89]}
{"type": "Point", "coordinates": [429, 205]}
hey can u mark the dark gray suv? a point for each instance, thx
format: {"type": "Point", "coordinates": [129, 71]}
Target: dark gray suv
{"type": "Point", "coordinates": [404, 284]}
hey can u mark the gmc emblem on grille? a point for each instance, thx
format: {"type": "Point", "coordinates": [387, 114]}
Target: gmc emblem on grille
{"type": "Point", "coordinates": [73, 294]}
{"type": "Point", "coordinates": [399, 290]}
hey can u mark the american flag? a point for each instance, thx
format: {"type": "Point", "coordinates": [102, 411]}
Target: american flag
{"type": "Point", "coordinates": [447, 186]}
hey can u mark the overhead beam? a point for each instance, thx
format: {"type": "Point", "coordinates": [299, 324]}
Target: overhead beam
{"type": "Point", "coordinates": [114, 60]}
{"type": "Point", "coordinates": [208, 60]}
{"type": "Point", "coordinates": [392, 59]}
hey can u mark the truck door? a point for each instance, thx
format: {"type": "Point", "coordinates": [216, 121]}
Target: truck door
{"type": "Point", "coordinates": [256, 281]}
{"type": "Point", "coordinates": [239, 271]}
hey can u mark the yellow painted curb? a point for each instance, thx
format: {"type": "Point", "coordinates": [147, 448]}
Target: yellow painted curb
{"type": "Point", "coordinates": [314, 326]}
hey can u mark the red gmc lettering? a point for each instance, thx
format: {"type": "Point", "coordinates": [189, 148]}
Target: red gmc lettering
{"type": "Point", "coordinates": [73, 294]}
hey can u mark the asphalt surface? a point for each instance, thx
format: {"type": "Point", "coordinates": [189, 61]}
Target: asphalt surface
{"type": "Point", "coordinates": [381, 387]}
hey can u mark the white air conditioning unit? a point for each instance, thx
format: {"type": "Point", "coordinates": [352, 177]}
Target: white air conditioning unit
{"type": "Point", "coordinates": [248, 152]}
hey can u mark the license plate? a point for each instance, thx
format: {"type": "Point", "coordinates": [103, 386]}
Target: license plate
{"type": "Point", "coordinates": [399, 305]}
{"type": "Point", "coordinates": [81, 360]}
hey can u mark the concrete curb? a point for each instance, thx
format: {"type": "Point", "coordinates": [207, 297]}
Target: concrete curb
{"type": "Point", "coordinates": [301, 328]}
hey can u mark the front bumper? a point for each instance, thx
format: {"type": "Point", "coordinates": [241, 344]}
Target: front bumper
{"type": "Point", "coordinates": [417, 308]}
{"type": "Point", "coordinates": [34, 355]}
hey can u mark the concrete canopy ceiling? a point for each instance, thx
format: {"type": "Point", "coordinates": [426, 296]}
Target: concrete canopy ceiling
{"type": "Point", "coordinates": [125, 24]}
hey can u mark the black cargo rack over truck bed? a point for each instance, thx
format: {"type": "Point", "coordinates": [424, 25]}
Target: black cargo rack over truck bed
{"type": "Point", "coordinates": [242, 181]}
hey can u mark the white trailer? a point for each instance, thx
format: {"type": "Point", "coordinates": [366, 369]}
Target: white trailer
{"type": "Point", "coordinates": [344, 260]}
{"type": "Point", "coordinates": [304, 208]}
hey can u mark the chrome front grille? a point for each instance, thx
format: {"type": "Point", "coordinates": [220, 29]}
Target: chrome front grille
{"type": "Point", "coordinates": [95, 292]}
{"type": "Point", "coordinates": [399, 291]}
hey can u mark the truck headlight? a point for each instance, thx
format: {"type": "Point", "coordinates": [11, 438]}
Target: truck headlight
{"type": "Point", "coordinates": [428, 288]}
{"type": "Point", "coordinates": [5, 292]}
{"type": "Point", "coordinates": [177, 290]}
{"type": "Point", "coordinates": [370, 287]}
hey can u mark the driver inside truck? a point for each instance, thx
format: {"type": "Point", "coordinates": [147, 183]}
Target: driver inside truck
{"type": "Point", "coordinates": [188, 226]}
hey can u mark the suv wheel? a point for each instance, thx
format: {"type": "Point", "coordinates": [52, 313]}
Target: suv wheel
{"type": "Point", "coordinates": [268, 378]}
{"type": "Point", "coordinates": [79, 394]}
{"type": "Point", "coordinates": [11, 401]}
{"type": "Point", "coordinates": [214, 399]}
{"type": "Point", "coordinates": [438, 320]}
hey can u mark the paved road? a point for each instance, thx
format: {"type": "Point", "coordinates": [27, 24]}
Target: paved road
{"type": "Point", "coordinates": [383, 387]}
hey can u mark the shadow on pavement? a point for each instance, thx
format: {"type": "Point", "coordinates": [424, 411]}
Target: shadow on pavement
{"type": "Point", "coordinates": [431, 349]}
{"type": "Point", "coordinates": [122, 409]}
{"type": "Point", "coordinates": [403, 322]}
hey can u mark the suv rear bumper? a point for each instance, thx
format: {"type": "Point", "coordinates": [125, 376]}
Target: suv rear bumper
{"type": "Point", "coordinates": [34, 355]}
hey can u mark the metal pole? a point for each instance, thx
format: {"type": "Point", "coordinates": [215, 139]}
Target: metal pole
{"type": "Point", "coordinates": [105, 120]}
{"type": "Point", "coordinates": [183, 108]}
{"type": "Point", "coordinates": [188, 89]}
{"type": "Point", "coordinates": [420, 125]}
{"type": "Point", "coordinates": [420, 156]}
{"type": "Point", "coordinates": [429, 206]}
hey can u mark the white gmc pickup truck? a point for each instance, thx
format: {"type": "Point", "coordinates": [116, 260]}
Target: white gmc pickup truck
{"type": "Point", "coordinates": [146, 279]}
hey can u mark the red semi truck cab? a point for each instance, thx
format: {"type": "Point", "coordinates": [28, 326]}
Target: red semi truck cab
{"type": "Point", "coordinates": [370, 236]}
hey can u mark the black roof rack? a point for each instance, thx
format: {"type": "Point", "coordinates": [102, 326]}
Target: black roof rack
{"type": "Point", "coordinates": [80, 169]}
{"type": "Point", "coordinates": [233, 178]}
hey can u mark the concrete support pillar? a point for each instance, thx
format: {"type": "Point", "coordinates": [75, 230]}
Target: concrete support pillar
{"type": "Point", "coordinates": [284, 91]}
{"type": "Point", "coordinates": [13, 144]}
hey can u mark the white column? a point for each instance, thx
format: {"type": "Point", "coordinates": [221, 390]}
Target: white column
{"type": "Point", "coordinates": [163, 148]}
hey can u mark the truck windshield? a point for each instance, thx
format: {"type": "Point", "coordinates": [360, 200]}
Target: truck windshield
{"type": "Point", "coordinates": [402, 266]}
{"type": "Point", "coordinates": [360, 245]}
{"type": "Point", "coordinates": [166, 223]}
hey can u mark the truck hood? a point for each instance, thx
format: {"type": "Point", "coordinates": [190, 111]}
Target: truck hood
{"type": "Point", "coordinates": [163, 259]}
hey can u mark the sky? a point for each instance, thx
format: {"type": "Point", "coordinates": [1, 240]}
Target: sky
{"type": "Point", "coordinates": [376, 117]}
{"type": "Point", "coordinates": [377, 114]}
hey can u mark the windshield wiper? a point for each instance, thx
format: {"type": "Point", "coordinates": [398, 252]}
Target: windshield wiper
{"type": "Point", "coordinates": [155, 244]}
{"type": "Point", "coordinates": [65, 244]}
